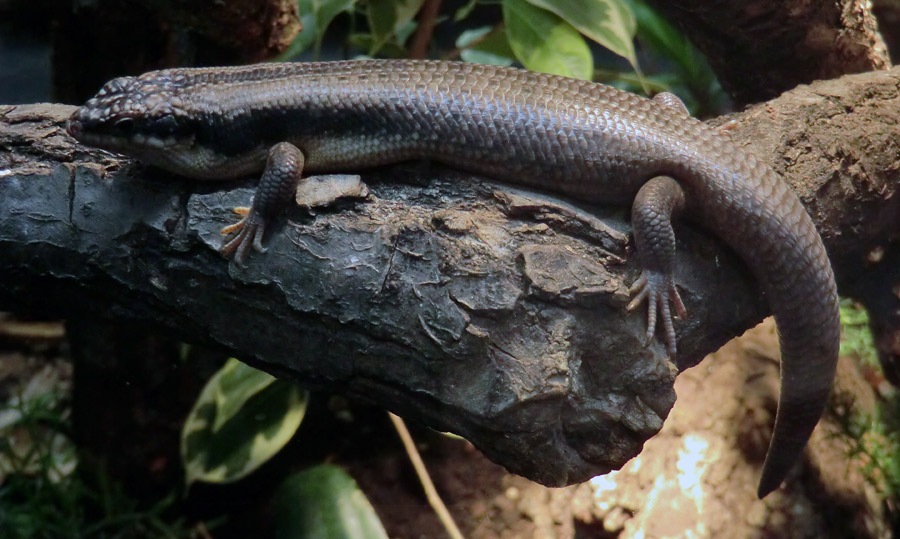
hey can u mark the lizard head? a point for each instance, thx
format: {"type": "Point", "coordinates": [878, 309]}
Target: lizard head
{"type": "Point", "coordinates": [152, 118]}
{"type": "Point", "coordinates": [135, 116]}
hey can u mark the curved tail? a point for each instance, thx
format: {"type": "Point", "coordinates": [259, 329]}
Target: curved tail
{"type": "Point", "coordinates": [809, 333]}
{"type": "Point", "coordinates": [789, 259]}
{"type": "Point", "coordinates": [765, 223]}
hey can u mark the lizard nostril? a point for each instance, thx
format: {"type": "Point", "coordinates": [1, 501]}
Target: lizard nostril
{"type": "Point", "coordinates": [73, 127]}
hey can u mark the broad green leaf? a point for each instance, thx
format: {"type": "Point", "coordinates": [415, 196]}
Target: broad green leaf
{"type": "Point", "coordinates": [406, 11]}
{"type": "Point", "coordinates": [608, 22]}
{"type": "Point", "coordinates": [544, 42]}
{"type": "Point", "coordinates": [315, 15]}
{"type": "Point", "coordinates": [381, 16]}
{"type": "Point", "coordinates": [468, 37]}
{"type": "Point", "coordinates": [235, 384]}
{"type": "Point", "coordinates": [324, 503]}
{"type": "Point", "coordinates": [391, 20]}
{"type": "Point", "coordinates": [404, 31]}
{"type": "Point", "coordinates": [241, 419]}
{"type": "Point", "coordinates": [485, 45]}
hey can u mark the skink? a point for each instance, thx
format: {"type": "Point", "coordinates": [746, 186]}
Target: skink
{"type": "Point", "coordinates": [583, 139]}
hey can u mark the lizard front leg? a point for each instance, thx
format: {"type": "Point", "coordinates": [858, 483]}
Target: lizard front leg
{"type": "Point", "coordinates": [284, 167]}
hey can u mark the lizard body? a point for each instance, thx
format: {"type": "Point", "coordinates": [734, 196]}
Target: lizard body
{"type": "Point", "coordinates": [579, 138]}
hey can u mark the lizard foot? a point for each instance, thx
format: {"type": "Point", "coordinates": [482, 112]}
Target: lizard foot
{"type": "Point", "coordinates": [250, 231]}
{"type": "Point", "coordinates": [661, 295]}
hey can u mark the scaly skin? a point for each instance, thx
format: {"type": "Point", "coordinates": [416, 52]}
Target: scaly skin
{"type": "Point", "coordinates": [586, 140]}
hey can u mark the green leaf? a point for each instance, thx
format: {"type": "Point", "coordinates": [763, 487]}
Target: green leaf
{"type": "Point", "coordinates": [381, 16]}
{"type": "Point", "coordinates": [324, 503]}
{"type": "Point", "coordinates": [391, 20]}
{"type": "Point", "coordinates": [464, 10]}
{"type": "Point", "coordinates": [236, 384]}
{"type": "Point", "coordinates": [691, 77]}
{"type": "Point", "coordinates": [544, 42]}
{"type": "Point", "coordinates": [608, 22]}
{"type": "Point", "coordinates": [315, 15]}
{"type": "Point", "coordinates": [485, 45]}
{"type": "Point", "coordinates": [241, 419]}
{"type": "Point", "coordinates": [666, 40]}
{"type": "Point", "coordinates": [406, 11]}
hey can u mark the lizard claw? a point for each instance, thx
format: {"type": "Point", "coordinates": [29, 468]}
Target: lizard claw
{"type": "Point", "coordinates": [250, 231]}
{"type": "Point", "coordinates": [661, 295]}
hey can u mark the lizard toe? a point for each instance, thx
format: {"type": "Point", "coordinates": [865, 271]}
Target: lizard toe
{"type": "Point", "coordinates": [659, 292]}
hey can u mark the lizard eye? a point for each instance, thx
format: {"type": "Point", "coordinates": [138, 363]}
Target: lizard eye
{"type": "Point", "coordinates": [124, 125]}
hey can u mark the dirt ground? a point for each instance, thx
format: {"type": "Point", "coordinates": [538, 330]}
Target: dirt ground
{"type": "Point", "coordinates": [696, 478]}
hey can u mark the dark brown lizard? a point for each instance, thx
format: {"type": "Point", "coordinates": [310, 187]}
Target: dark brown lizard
{"type": "Point", "coordinates": [583, 139]}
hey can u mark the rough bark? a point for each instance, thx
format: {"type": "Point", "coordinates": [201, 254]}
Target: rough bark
{"type": "Point", "coordinates": [463, 304]}
{"type": "Point", "coordinates": [761, 48]}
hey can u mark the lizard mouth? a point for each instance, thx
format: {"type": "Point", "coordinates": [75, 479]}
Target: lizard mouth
{"type": "Point", "coordinates": [76, 128]}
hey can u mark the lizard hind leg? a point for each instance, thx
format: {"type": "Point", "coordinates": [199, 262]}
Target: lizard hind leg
{"type": "Point", "coordinates": [657, 202]}
{"type": "Point", "coordinates": [284, 167]}
{"type": "Point", "coordinates": [673, 103]}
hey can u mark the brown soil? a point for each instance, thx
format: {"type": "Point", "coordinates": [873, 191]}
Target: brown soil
{"type": "Point", "coordinates": [697, 477]}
